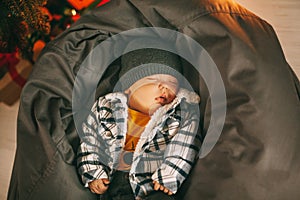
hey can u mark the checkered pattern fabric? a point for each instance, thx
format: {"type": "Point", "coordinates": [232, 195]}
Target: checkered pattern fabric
{"type": "Point", "coordinates": [165, 152]}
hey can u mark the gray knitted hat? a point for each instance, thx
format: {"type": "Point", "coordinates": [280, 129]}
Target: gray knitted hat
{"type": "Point", "coordinates": [140, 63]}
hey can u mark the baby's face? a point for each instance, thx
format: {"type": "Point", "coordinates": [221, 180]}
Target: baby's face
{"type": "Point", "coordinates": [152, 92]}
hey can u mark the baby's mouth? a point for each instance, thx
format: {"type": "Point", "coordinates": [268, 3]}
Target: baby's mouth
{"type": "Point", "coordinates": [161, 99]}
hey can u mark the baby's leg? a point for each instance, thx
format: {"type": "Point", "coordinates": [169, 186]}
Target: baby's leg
{"type": "Point", "coordinates": [120, 188]}
{"type": "Point", "coordinates": [159, 195]}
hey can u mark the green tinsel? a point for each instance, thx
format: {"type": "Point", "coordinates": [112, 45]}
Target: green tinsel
{"type": "Point", "coordinates": [18, 19]}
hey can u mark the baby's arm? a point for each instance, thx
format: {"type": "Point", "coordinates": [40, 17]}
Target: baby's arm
{"type": "Point", "coordinates": [90, 164]}
{"type": "Point", "coordinates": [180, 153]}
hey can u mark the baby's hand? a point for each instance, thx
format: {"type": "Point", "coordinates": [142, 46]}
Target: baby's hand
{"type": "Point", "coordinates": [158, 186]}
{"type": "Point", "coordinates": [99, 186]}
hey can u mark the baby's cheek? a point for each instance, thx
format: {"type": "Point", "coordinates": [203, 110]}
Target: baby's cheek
{"type": "Point", "coordinates": [171, 97]}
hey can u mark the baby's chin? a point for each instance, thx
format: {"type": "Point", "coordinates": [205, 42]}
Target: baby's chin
{"type": "Point", "coordinates": [154, 108]}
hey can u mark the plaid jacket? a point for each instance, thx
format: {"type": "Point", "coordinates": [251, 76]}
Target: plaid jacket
{"type": "Point", "coordinates": [166, 149]}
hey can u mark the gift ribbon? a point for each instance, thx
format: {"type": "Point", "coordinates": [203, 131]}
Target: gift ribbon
{"type": "Point", "coordinates": [103, 2]}
{"type": "Point", "coordinates": [11, 61]}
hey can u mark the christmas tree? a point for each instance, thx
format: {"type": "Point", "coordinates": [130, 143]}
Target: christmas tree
{"type": "Point", "coordinates": [25, 28]}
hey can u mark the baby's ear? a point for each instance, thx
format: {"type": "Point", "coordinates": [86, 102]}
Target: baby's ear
{"type": "Point", "coordinates": [128, 92]}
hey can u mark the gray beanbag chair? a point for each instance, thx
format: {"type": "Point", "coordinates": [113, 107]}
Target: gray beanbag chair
{"type": "Point", "coordinates": [255, 157]}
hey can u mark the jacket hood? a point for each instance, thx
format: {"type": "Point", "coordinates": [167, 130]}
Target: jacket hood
{"type": "Point", "coordinates": [190, 96]}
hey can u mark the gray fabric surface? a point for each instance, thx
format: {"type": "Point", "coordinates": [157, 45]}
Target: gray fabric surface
{"type": "Point", "coordinates": [256, 156]}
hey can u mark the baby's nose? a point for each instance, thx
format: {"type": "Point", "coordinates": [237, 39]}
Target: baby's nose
{"type": "Point", "coordinates": [161, 86]}
{"type": "Point", "coordinates": [164, 88]}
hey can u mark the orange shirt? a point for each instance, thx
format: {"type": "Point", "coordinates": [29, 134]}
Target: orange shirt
{"type": "Point", "coordinates": [135, 126]}
{"type": "Point", "coordinates": [136, 123]}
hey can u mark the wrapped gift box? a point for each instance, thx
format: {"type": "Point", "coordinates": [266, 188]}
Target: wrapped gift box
{"type": "Point", "coordinates": [13, 80]}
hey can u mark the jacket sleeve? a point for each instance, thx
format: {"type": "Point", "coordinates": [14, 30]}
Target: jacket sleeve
{"type": "Point", "coordinates": [89, 162]}
{"type": "Point", "coordinates": [180, 153]}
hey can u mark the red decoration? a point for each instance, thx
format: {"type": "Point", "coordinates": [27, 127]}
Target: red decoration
{"type": "Point", "coordinates": [103, 2]}
{"type": "Point", "coordinates": [80, 4]}
{"type": "Point", "coordinates": [75, 17]}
